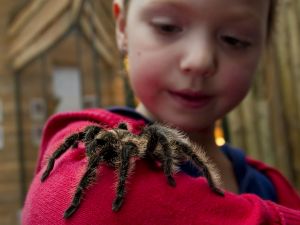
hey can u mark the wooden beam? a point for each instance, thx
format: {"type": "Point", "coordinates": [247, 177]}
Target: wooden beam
{"type": "Point", "coordinates": [39, 23]}
{"type": "Point", "coordinates": [99, 26]}
{"type": "Point", "coordinates": [45, 41]}
{"type": "Point", "coordinates": [76, 7]}
{"type": "Point", "coordinates": [24, 16]}
{"type": "Point", "coordinates": [106, 53]}
{"type": "Point", "coordinates": [293, 35]}
{"type": "Point", "coordinates": [277, 126]}
{"type": "Point", "coordinates": [105, 11]}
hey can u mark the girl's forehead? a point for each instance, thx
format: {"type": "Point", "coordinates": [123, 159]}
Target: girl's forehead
{"type": "Point", "coordinates": [249, 3]}
{"type": "Point", "coordinates": [254, 7]}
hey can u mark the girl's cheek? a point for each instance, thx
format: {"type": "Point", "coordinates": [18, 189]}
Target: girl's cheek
{"type": "Point", "coordinates": [240, 89]}
{"type": "Point", "coordinates": [237, 79]}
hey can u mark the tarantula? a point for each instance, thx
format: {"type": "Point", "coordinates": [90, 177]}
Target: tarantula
{"type": "Point", "coordinates": [116, 147]}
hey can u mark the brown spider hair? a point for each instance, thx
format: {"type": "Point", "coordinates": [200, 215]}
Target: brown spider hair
{"type": "Point", "coordinates": [271, 17]}
{"type": "Point", "coordinates": [119, 148]}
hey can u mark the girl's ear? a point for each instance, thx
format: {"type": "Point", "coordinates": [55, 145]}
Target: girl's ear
{"type": "Point", "coordinates": [120, 20]}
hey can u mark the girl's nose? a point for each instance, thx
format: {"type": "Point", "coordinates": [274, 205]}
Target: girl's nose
{"type": "Point", "coordinates": [199, 58]}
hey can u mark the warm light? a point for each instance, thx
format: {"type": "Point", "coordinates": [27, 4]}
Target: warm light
{"type": "Point", "coordinates": [220, 141]}
{"type": "Point", "coordinates": [219, 134]}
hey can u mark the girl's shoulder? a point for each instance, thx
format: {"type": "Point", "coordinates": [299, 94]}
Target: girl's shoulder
{"type": "Point", "coordinates": [250, 179]}
{"type": "Point", "coordinates": [261, 179]}
{"type": "Point", "coordinates": [287, 195]}
{"type": "Point", "coordinates": [149, 200]}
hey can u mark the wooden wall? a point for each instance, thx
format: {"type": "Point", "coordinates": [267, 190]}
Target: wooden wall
{"type": "Point", "coordinates": [9, 167]}
{"type": "Point", "coordinates": [97, 79]}
{"type": "Point", "coordinates": [267, 124]}
{"type": "Point", "coordinates": [75, 50]}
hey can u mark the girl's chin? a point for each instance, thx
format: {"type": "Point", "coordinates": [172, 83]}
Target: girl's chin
{"type": "Point", "coordinates": [194, 129]}
{"type": "Point", "coordinates": [190, 126]}
{"type": "Point", "coordinates": [187, 123]}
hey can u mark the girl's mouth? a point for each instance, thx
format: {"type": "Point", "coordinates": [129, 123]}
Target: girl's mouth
{"type": "Point", "coordinates": [190, 99]}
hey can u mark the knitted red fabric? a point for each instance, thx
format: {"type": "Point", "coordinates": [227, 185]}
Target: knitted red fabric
{"type": "Point", "coordinates": [286, 194]}
{"type": "Point", "coordinates": [149, 199]}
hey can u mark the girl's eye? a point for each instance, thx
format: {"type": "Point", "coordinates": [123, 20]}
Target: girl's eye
{"type": "Point", "coordinates": [168, 28]}
{"type": "Point", "coordinates": [235, 42]}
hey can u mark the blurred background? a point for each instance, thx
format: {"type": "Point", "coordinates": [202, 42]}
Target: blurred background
{"type": "Point", "coordinates": [60, 55]}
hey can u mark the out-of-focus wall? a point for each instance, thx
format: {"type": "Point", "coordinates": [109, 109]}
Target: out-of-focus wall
{"type": "Point", "coordinates": [267, 124]}
{"type": "Point", "coordinates": [9, 167]}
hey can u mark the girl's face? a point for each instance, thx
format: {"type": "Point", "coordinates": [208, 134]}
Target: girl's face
{"type": "Point", "coordinates": [192, 61]}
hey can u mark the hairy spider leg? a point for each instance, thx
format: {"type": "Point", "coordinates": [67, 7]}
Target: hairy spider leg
{"type": "Point", "coordinates": [89, 140]}
{"type": "Point", "coordinates": [70, 141]}
{"type": "Point", "coordinates": [98, 150]}
{"type": "Point", "coordinates": [129, 149]}
{"type": "Point", "coordinates": [188, 151]}
{"type": "Point", "coordinates": [123, 126]}
{"type": "Point", "coordinates": [91, 132]}
{"type": "Point", "coordinates": [155, 138]}
{"type": "Point", "coordinates": [88, 177]}
{"type": "Point", "coordinates": [151, 144]}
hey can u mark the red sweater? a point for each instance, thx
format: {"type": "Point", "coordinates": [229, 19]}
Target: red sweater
{"type": "Point", "coordinates": [149, 199]}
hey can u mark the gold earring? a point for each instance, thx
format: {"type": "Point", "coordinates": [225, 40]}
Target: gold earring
{"type": "Point", "coordinates": [126, 63]}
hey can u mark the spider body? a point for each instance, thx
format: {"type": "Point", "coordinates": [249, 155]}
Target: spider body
{"type": "Point", "coordinates": [119, 148]}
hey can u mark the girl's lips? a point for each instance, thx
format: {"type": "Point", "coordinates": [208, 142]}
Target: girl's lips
{"type": "Point", "coordinates": [190, 99]}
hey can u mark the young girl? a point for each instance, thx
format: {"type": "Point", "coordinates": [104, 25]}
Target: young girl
{"type": "Point", "coordinates": [191, 62]}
